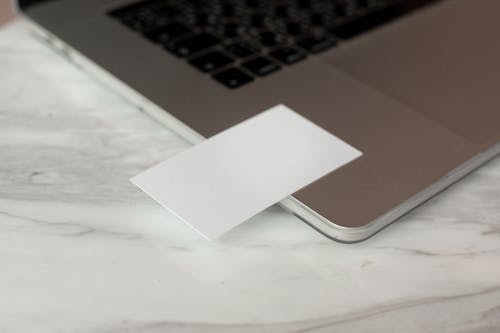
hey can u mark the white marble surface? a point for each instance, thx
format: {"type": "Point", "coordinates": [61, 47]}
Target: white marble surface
{"type": "Point", "coordinates": [83, 250]}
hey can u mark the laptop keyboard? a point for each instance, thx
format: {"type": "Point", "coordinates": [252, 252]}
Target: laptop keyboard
{"type": "Point", "coordinates": [238, 41]}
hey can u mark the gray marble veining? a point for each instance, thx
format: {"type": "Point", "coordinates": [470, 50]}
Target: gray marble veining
{"type": "Point", "coordinates": [83, 250]}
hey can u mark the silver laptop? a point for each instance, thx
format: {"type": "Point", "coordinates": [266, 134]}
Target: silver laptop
{"type": "Point", "coordinates": [413, 84]}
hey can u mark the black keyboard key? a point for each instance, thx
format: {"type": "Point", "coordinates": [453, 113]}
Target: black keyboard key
{"type": "Point", "coordinates": [316, 44]}
{"type": "Point", "coordinates": [340, 10]}
{"type": "Point", "coordinates": [231, 30]}
{"type": "Point", "coordinates": [233, 78]}
{"type": "Point", "coordinates": [211, 61]}
{"type": "Point", "coordinates": [316, 19]}
{"type": "Point", "coordinates": [362, 3]}
{"type": "Point", "coordinates": [360, 24]}
{"type": "Point", "coordinates": [169, 33]}
{"type": "Point", "coordinates": [228, 10]}
{"type": "Point", "coordinates": [201, 19]}
{"type": "Point", "coordinates": [144, 20]}
{"type": "Point", "coordinates": [270, 39]}
{"type": "Point", "coordinates": [194, 44]}
{"type": "Point", "coordinates": [261, 66]}
{"type": "Point", "coordinates": [288, 55]}
{"type": "Point", "coordinates": [281, 11]}
{"type": "Point", "coordinates": [167, 11]}
{"type": "Point", "coordinates": [294, 28]}
{"type": "Point", "coordinates": [257, 20]}
{"type": "Point", "coordinates": [240, 50]}
{"type": "Point", "coordinates": [304, 3]}
{"type": "Point", "coordinates": [253, 3]}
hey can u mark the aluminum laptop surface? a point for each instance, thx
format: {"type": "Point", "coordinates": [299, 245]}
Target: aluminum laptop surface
{"type": "Point", "coordinates": [417, 96]}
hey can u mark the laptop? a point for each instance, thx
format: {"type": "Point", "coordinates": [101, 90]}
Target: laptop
{"type": "Point", "coordinates": [413, 84]}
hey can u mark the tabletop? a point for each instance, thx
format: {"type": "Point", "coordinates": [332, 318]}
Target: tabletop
{"type": "Point", "coordinates": [83, 250]}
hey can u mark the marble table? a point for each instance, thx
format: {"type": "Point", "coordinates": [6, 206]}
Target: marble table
{"type": "Point", "coordinates": [83, 250]}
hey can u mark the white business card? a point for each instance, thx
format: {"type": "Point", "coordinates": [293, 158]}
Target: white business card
{"type": "Point", "coordinates": [232, 176]}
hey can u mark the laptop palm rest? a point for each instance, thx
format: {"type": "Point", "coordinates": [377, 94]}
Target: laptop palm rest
{"type": "Point", "coordinates": [437, 65]}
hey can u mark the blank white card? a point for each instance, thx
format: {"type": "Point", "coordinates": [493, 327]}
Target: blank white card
{"type": "Point", "coordinates": [232, 176]}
